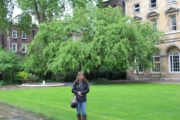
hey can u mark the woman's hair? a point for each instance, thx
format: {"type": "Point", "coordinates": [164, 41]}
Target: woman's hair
{"type": "Point", "coordinates": [77, 77]}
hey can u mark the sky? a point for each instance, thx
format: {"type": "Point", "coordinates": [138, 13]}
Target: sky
{"type": "Point", "coordinates": [16, 11]}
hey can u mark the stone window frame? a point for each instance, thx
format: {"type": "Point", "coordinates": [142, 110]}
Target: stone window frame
{"type": "Point", "coordinates": [173, 57]}
{"type": "Point", "coordinates": [153, 15]}
{"type": "Point", "coordinates": [156, 63]}
{"type": "Point", "coordinates": [24, 48]}
{"type": "Point", "coordinates": [172, 27]}
{"type": "Point", "coordinates": [137, 71]}
{"type": "Point", "coordinates": [137, 17]}
{"type": "Point", "coordinates": [171, 11]}
{"type": "Point", "coordinates": [140, 69]}
{"type": "Point", "coordinates": [154, 26]}
{"type": "Point", "coordinates": [150, 4]}
{"type": "Point", "coordinates": [24, 35]}
{"type": "Point", "coordinates": [14, 34]}
{"type": "Point", "coordinates": [135, 8]}
{"type": "Point", "coordinates": [171, 1]}
{"type": "Point", "coordinates": [14, 47]}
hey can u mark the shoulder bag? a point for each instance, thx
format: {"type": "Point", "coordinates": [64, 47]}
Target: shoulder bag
{"type": "Point", "coordinates": [74, 102]}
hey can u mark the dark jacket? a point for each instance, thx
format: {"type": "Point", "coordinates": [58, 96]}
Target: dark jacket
{"type": "Point", "coordinates": [84, 90]}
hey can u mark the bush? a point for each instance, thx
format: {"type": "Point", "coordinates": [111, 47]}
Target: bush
{"type": "Point", "coordinates": [111, 74]}
{"type": "Point", "coordinates": [35, 77]}
{"type": "Point", "coordinates": [70, 77]}
{"type": "Point", "coordinates": [17, 79]}
{"type": "Point", "coordinates": [23, 75]}
{"type": "Point", "coordinates": [2, 82]}
{"type": "Point", "coordinates": [100, 80]}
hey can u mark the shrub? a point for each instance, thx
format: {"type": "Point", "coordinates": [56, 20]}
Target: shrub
{"type": "Point", "coordinates": [33, 76]}
{"type": "Point", "coordinates": [100, 80]}
{"type": "Point", "coordinates": [17, 79]}
{"type": "Point", "coordinates": [70, 76]}
{"type": "Point", "coordinates": [2, 82]}
{"type": "Point", "coordinates": [23, 75]}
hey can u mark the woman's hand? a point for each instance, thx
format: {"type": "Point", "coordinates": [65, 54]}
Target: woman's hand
{"type": "Point", "coordinates": [79, 93]}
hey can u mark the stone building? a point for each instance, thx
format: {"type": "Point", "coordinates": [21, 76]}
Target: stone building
{"type": "Point", "coordinates": [165, 16]}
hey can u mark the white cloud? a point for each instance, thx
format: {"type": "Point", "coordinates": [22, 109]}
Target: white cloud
{"type": "Point", "coordinates": [16, 12]}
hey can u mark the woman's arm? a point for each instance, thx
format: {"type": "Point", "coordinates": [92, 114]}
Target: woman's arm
{"type": "Point", "coordinates": [74, 88]}
{"type": "Point", "coordinates": [85, 91]}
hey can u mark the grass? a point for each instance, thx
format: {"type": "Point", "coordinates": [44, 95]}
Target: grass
{"type": "Point", "coordinates": [105, 102]}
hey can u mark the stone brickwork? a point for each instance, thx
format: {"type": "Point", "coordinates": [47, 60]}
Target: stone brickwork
{"type": "Point", "coordinates": [162, 11]}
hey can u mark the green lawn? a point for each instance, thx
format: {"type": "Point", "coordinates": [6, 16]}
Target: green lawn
{"type": "Point", "coordinates": [105, 102]}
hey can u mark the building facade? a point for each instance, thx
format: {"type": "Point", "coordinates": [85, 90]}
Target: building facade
{"type": "Point", "coordinates": [165, 16]}
{"type": "Point", "coordinates": [16, 41]}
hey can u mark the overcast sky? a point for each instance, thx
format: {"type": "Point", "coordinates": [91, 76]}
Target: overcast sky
{"type": "Point", "coordinates": [16, 11]}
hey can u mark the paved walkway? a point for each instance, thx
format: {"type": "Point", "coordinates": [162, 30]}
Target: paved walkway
{"type": "Point", "coordinates": [8, 112]}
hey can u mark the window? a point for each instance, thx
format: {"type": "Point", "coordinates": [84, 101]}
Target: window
{"type": "Point", "coordinates": [174, 60]}
{"type": "Point", "coordinates": [14, 34]}
{"type": "Point", "coordinates": [156, 64]}
{"type": "Point", "coordinates": [24, 47]}
{"type": "Point", "coordinates": [154, 24]}
{"type": "Point", "coordinates": [170, 1]}
{"type": "Point", "coordinates": [173, 23]}
{"type": "Point", "coordinates": [14, 47]}
{"type": "Point", "coordinates": [136, 7]}
{"type": "Point", "coordinates": [152, 3]}
{"type": "Point", "coordinates": [24, 36]}
{"type": "Point", "coordinates": [139, 68]}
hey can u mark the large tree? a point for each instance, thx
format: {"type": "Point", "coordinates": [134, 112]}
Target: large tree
{"type": "Point", "coordinates": [37, 10]}
{"type": "Point", "coordinates": [6, 13]}
{"type": "Point", "coordinates": [104, 37]}
{"type": "Point", "coordinates": [42, 10]}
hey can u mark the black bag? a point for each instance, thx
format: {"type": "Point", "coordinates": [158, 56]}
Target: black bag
{"type": "Point", "coordinates": [74, 102]}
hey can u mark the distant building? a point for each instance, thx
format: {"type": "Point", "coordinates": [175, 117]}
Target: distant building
{"type": "Point", "coordinates": [115, 3]}
{"type": "Point", "coordinates": [16, 41]}
{"type": "Point", "coordinates": [165, 16]}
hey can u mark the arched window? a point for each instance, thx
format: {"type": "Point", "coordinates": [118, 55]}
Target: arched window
{"type": "Point", "coordinates": [174, 60]}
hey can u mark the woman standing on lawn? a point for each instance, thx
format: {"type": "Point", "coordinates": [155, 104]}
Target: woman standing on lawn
{"type": "Point", "coordinates": [80, 89]}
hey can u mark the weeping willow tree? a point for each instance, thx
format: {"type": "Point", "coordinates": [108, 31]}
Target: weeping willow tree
{"type": "Point", "coordinates": [103, 37]}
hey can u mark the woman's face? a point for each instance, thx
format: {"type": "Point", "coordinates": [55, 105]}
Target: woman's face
{"type": "Point", "coordinates": [80, 77]}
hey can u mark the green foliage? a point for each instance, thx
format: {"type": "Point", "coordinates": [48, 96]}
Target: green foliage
{"type": "Point", "coordinates": [6, 12]}
{"type": "Point", "coordinates": [24, 22]}
{"type": "Point", "coordinates": [1, 82]}
{"type": "Point", "coordinates": [9, 64]}
{"type": "Point", "coordinates": [100, 80]}
{"type": "Point", "coordinates": [42, 10]}
{"type": "Point", "coordinates": [17, 79]}
{"type": "Point", "coordinates": [84, 3]}
{"type": "Point", "coordinates": [33, 76]}
{"type": "Point", "coordinates": [105, 37]}
{"type": "Point", "coordinates": [23, 75]}
{"type": "Point", "coordinates": [111, 74]}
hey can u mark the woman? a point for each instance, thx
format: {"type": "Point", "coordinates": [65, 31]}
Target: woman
{"type": "Point", "coordinates": [80, 89]}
